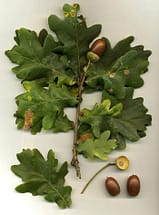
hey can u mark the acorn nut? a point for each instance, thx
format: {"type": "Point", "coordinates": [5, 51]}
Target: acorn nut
{"type": "Point", "coordinates": [133, 185]}
{"type": "Point", "coordinates": [98, 47]}
{"type": "Point", "coordinates": [112, 186]}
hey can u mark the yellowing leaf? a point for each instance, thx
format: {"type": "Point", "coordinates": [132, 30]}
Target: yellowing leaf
{"type": "Point", "coordinates": [97, 117]}
{"type": "Point", "coordinates": [45, 109]}
{"type": "Point", "coordinates": [98, 148]}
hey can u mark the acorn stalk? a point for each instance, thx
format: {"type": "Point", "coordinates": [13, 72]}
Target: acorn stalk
{"type": "Point", "coordinates": [120, 165]}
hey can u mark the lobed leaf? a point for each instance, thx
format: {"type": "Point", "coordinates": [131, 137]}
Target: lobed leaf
{"type": "Point", "coordinates": [126, 120]}
{"type": "Point", "coordinates": [98, 147]}
{"type": "Point", "coordinates": [46, 105]}
{"type": "Point", "coordinates": [120, 67]}
{"type": "Point", "coordinates": [133, 120]}
{"type": "Point", "coordinates": [75, 38]}
{"type": "Point", "coordinates": [96, 119]}
{"type": "Point", "coordinates": [43, 177]}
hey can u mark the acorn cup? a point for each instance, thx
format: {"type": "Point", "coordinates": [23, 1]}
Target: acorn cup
{"type": "Point", "coordinates": [122, 163]}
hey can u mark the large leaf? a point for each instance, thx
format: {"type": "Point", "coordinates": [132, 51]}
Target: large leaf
{"type": "Point", "coordinates": [38, 55]}
{"type": "Point", "coordinates": [44, 108]}
{"type": "Point", "coordinates": [127, 119]}
{"type": "Point", "coordinates": [118, 68]}
{"type": "Point", "coordinates": [74, 37]}
{"type": "Point", "coordinates": [43, 177]}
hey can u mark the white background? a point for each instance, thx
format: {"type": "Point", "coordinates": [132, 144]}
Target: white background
{"type": "Point", "coordinates": [119, 19]}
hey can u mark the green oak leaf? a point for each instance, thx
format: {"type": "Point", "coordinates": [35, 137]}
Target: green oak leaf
{"type": "Point", "coordinates": [95, 118]}
{"type": "Point", "coordinates": [126, 120]}
{"type": "Point", "coordinates": [33, 58]}
{"type": "Point", "coordinates": [129, 92]}
{"type": "Point", "coordinates": [119, 67]}
{"type": "Point", "coordinates": [98, 147]}
{"type": "Point", "coordinates": [37, 56]}
{"type": "Point", "coordinates": [74, 37]}
{"type": "Point", "coordinates": [43, 177]}
{"type": "Point", "coordinates": [46, 106]}
{"type": "Point", "coordinates": [133, 120]}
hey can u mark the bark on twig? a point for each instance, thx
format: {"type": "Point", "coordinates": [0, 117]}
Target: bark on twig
{"type": "Point", "coordinates": [75, 161]}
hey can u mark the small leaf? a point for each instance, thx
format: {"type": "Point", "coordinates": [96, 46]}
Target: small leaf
{"type": "Point", "coordinates": [43, 177]}
{"type": "Point", "coordinates": [99, 148]}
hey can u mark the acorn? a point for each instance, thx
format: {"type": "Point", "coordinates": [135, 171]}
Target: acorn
{"type": "Point", "coordinates": [97, 49]}
{"type": "Point", "coordinates": [112, 186]}
{"type": "Point", "coordinates": [133, 185]}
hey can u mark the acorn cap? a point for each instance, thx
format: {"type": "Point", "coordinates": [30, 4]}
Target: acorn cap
{"type": "Point", "coordinates": [122, 162]}
{"type": "Point", "coordinates": [92, 57]}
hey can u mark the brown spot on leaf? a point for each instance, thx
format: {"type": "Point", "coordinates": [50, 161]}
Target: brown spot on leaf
{"type": "Point", "coordinates": [28, 120]}
{"type": "Point", "coordinates": [126, 72]}
{"type": "Point", "coordinates": [84, 137]}
{"type": "Point", "coordinates": [110, 90]}
{"type": "Point", "coordinates": [112, 74]}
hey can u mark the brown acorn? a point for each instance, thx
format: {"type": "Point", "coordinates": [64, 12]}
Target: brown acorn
{"type": "Point", "coordinates": [112, 186]}
{"type": "Point", "coordinates": [133, 185]}
{"type": "Point", "coordinates": [98, 47]}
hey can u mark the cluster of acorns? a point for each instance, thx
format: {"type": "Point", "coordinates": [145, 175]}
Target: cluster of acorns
{"type": "Point", "coordinates": [133, 182]}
